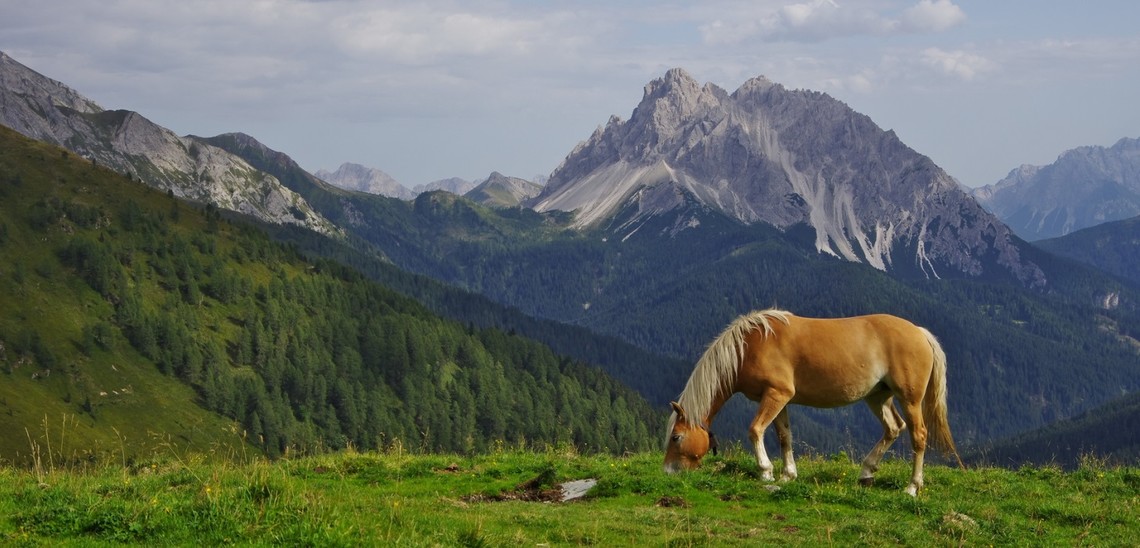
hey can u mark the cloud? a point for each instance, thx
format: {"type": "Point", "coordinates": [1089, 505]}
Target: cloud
{"type": "Point", "coordinates": [960, 64]}
{"type": "Point", "coordinates": [933, 15]}
{"type": "Point", "coordinates": [820, 20]}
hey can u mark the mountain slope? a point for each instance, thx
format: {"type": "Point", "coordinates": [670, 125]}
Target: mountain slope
{"type": "Point", "coordinates": [1113, 247]}
{"type": "Point", "coordinates": [1084, 187]}
{"type": "Point", "coordinates": [118, 302]}
{"type": "Point", "coordinates": [502, 191]}
{"type": "Point", "coordinates": [785, 158]}
{"type": "Point", "coordinates": [1110, 432]}
{"type": "Point", "coordinates": [125, 141]}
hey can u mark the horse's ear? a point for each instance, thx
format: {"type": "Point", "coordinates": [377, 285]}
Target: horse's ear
{"type": "Point", "coordinates": [679, 410]}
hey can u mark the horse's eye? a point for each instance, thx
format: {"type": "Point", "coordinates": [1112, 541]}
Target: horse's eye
{"type": "Point", "coordinates": [676, 438]}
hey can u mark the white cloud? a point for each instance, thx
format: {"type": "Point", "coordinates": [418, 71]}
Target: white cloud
{"type": "Point", "coordinates": [819, 20]}
{"type": "Point", "coordinates": [933, 15]}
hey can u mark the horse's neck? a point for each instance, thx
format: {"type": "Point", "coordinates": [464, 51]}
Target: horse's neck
{"type": "Point", "coordinates": [718, 401]}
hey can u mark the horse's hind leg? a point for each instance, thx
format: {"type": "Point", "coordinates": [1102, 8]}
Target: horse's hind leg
{"type": "Point", "coordinates": [882, 405]}
{"type": "Point", "coordinates": [913, 410]}
{"type": "Point", "coordinates": [784, 432]}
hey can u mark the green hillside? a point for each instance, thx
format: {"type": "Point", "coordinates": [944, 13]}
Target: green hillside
{"type": "Point", "coordinates": [135, 319]}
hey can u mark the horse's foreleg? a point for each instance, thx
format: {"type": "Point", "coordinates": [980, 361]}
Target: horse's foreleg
{"type": "Point", "coordinates": [882, 405]}
{"type": "Point", "coordinates": [770, 406]}
{"type": "Point", "coordinates": [784, 432]}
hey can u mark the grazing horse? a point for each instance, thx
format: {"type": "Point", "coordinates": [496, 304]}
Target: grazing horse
{"type": "Point", "coordinates": [775, 358]}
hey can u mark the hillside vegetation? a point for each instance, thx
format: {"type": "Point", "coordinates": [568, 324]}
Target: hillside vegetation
{"type": "Point", "coordinates": [510, 497]}
{"type": "Point", "coordinates": [1113, 247]}
{"type": "Point", "coordinates": [136, 319]}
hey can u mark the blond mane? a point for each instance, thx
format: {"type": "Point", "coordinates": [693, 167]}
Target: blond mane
{"type": "Point", "coordinates": [716, 370]}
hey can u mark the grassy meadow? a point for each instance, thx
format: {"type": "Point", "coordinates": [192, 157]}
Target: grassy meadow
{"type": "Point", "coordinates": [509, 497]}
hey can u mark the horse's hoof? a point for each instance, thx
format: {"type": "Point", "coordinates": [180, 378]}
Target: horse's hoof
{"type": "Point", "coordinates": [866, 482]}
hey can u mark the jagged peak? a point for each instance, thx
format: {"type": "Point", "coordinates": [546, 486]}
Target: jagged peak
{"type": "Point", "coordinates": [758, 83]}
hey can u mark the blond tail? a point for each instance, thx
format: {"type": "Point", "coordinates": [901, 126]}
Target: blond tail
{"type": "Point", "coordinates": [934, 405]}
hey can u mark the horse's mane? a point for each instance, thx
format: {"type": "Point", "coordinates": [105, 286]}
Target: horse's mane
{"type": "Point", "coordinates": [716, 370]}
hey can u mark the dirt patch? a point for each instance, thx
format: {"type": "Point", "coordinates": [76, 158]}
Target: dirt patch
{"type": "Point", "coordinates": [668, 501]}
{"type": "Point", "coordinates": [539, 489]}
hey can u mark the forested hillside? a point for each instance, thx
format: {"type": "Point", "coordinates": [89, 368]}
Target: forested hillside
{"type": "Point", "coordinates": [300, 354]}
{"type": "Point", "coordinates": [1113, 247]}
{"type": "Point", "coordinates": [1109, 433]}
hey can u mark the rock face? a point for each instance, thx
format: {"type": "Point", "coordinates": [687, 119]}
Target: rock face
{"type": "Point", "coordinates": [125, 141]}
{"type": "Point", "coordinates": [1085, 187]}
{"type": "Point", "coordinates": [502, 191]}
{"type": "Point", "coordinates": [767, 154]}
{"type": "Point", "coordinates": [356, 177]}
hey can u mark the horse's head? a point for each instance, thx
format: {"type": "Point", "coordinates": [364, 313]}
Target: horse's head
{"type": "Point", "coordinates": [687, 444]}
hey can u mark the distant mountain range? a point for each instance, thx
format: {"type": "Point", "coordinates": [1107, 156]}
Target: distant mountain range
{"type": "Point", "coordinates": [1085, 187]}
{"type": "Point", "coordinates": [359, 178]}
{"type": "Point", "coordinates": [356, 177]}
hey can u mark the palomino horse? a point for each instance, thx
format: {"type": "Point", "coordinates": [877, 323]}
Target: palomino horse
{"type": "Point", "coordinates": [775, 358]}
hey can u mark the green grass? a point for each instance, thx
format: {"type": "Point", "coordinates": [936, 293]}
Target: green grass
{"type": "Point", "coordinates": [396, 498]}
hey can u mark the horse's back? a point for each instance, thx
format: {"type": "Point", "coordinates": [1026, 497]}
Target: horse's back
{"type": "Point", "coordinates": [835, 361]}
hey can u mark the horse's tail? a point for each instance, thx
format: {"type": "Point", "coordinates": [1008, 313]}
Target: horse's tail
{"type": "Point", "coordinates": [934, 405]}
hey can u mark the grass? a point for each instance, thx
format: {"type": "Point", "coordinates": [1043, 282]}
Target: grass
{"type": "Point", "coordinates": [397, 498]}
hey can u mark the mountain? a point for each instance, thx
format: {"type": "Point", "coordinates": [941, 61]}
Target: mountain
{"type": "Point", "coordinates": [502, 191]}
{"type": "Point", "coordinates": [1113, 247]}
{"type": "Point", "coordinates": [454, 185]}
{"type": "Point", "coordinates": [766, 154]}
{"type": "Point", "coordinates": [356, 177]}
{"type": "Point", "coordinates": [131, 319]}
{"type": "Point", "coordinates": [1084, 187]}
{"type": "Point", "coordinates": [44, 109]}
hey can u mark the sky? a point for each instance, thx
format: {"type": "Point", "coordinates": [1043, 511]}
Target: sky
{"type": "Point", "coordinates": [429, 90]}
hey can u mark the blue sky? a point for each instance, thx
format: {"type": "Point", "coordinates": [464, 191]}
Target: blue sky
{"type": "Point", "coordinates": [429, 90]}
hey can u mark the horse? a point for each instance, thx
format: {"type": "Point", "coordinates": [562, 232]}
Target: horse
{"type": "Point", "coordinates": [774, 358]}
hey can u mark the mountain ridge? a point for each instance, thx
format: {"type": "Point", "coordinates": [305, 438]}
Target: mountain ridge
{"type": "Point", "coordinates": [128, 142]}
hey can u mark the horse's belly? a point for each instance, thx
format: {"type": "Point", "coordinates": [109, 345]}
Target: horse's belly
{"type": "Point", "coordinates": [836, 395]}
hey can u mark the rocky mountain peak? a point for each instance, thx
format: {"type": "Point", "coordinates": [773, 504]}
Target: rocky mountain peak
{"type": "Point", "coordinates": [767, 154]}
